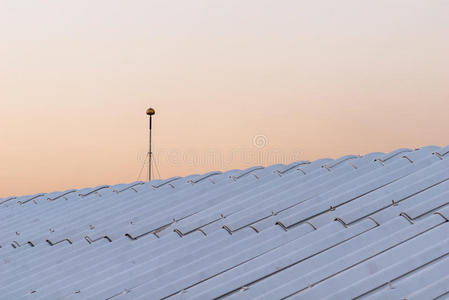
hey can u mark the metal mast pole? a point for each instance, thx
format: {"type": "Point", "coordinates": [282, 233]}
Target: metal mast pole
{"type": "Point", "coordinates": [149, 153]}
{"type": "Point", "coordinates": [150, 112]}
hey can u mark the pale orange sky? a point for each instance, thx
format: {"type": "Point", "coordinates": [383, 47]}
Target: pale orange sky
{"type": "Point", "coordinates": [316, 78]}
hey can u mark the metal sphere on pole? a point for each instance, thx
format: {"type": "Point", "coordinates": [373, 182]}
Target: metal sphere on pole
{"type": "Point", "coordinates": [150, 112]}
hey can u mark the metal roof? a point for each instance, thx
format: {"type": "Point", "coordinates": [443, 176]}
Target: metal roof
{"type": "Point", "coordinates": [365, 227]}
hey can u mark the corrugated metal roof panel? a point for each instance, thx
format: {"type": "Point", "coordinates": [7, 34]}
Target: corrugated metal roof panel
{"type": "Point", "coordinates": [372, 226]}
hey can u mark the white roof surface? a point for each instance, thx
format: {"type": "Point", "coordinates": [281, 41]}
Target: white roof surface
{"type": "Point", "coordinates": [365, 227]}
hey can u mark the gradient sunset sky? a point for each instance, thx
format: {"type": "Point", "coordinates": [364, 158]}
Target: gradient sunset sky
{"type": "Point", "coordinates": [306, 79]}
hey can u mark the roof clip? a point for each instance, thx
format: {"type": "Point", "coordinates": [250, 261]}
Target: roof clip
{"type": "Point", "coordinates": [201, 230]}
{"type": "Point", "coordinates": [342, 222]}
{"type": "Point", "coordinates": [203, 177]}
{"type": "Point", "coordinates": [407, 158]}
{"type": "Point", "coordinates": [379, 161]}
{"type": "Point", "coordinates": [254, 228]}
{"type": "Point", "coordinates": [326, 167]}
{"type": "Point", "coordinates": [227, 229]}
{"type": "Point", "coordinates": [153, 231]}
{"type": "Point", "coordinates": [168, 181]}
{"type": "Point", "coordinates": [407, 217]}
{"type": "Point", "coordinates": [280, 173]}
{"type": "Point", "coordinates": [192, 231]}
{"type": "Point", "coordinates": [16, 244]}
{"type": "Point", "coordinates": [94, 191]}
{"type": "Point", "coordinates": [302, 171]}
{"type": "Point", "coordinates": [346, 225]}
{"type": "Point", "coordinates": [61, 196]}
{"type": "Point", "coordinates": [250, 171]}
{"type": "Point", "coordinates": [441, 215]}
{"type": "Point", "coordinates": [281, 225]}
{"type": "Point", "coordinates": [308, 223]}
{"type": "Point", "coordinates": [30, 199]}
{"type": "Point", "coordinates": [438, 155]}
{"type": "Point", "coordinates": [90, 241]}
{"type": "Point", "coordinates": [178, 232]}
{"type": "Point", "coordinates": [129, 187]}
{"type": "Point", "coordinates": [61, 241]}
